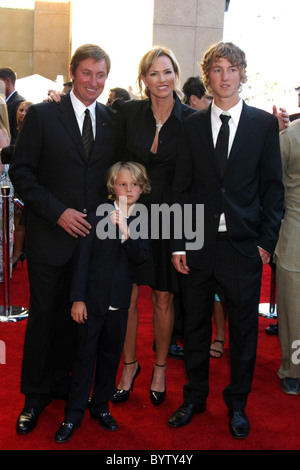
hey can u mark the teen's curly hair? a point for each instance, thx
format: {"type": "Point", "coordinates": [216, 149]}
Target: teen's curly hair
{"type": "Point", "coordinates": [223, 50]}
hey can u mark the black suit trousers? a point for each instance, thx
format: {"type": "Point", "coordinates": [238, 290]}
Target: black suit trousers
{"type": "Point", "coordinates": [50, 334]}
{"type": "Point", "coordinates": [100, 342]}
{"type": "Point", "coordinates": [239, 277]}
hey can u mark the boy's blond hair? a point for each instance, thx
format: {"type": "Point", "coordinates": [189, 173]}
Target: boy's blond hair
{"type": "Point", "coordinates": [138, 173]}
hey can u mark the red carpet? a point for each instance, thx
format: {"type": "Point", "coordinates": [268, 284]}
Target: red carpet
{"type": "Point", "coordinates": [273, 415]}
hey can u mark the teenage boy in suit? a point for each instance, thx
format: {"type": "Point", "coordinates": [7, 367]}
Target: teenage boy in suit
{"type": "Point", "coordinates": [101, 291]}
{"type": "Point", "coordinates": [60, 180]}
{"type": "Point", "coordinates": [242, 197]}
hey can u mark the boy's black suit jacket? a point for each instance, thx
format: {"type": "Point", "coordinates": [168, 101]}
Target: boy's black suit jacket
{"type": "Point", "coordinates": [104, 269]}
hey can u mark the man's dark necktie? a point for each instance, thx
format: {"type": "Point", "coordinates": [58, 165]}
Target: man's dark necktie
{"type": "Point", "coordinates": [87, 134]}
{"type": "Point", "coordinates": [222, 143]}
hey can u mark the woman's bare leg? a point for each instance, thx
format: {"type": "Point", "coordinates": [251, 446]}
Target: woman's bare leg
{"type": "Point", "coordinates": [129, 350]}
{"type": "Point", "coordinates": [163, 323]}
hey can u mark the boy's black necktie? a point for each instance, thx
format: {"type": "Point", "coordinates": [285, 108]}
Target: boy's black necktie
{"type": "Point", "coordinates": [222, 143]}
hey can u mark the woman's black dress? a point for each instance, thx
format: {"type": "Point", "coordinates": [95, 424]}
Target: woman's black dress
{"type": "Point", "coordinates": [138, 135]}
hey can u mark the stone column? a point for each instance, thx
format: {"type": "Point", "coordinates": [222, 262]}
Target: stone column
{"type": "Point", "coordinates": [189, 28]}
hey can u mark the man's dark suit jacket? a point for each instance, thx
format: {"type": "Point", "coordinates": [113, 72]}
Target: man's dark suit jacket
{"type": "Point", "coordinates": [12, 106]}
{"type": "Point", "coordinates": [50, 173]}
{"type": "Point", "coordinates": [103, 270]}
{"type": "Point", "coordinates": [250, 193]}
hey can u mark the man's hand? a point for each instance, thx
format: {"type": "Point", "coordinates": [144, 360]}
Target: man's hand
{"type": "Point", "coordinates": [79, 312]}
{"type": "Point", "coordinates": [179, 262]}
{"type": "Point", "coordinates": [265, 256]}
{"type": "Point", "coordinates": [55, 96]}
{"type": "Point", "coordinates": [74, 223]}
{"type": "Point", "coordinates": [282, 116]}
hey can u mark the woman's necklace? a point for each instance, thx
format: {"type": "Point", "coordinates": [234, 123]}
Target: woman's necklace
{"type": "Point", "coordinates": [159, 123]}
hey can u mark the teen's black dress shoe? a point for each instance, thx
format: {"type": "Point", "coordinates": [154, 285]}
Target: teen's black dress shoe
{"type": "Point", "coordinates": [27, 420]}
{"type": "Point", "coordinates": [184, 414]}
{"type": "Point", "coordinates": [106, 421]}
{"type": "Point", "coordinates": [64, 432]}
{"type": "Point", "coordinates": [238, 424]}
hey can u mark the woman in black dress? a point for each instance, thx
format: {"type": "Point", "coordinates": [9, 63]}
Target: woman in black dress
{"type": "Point", "coordinates": [151, 129]}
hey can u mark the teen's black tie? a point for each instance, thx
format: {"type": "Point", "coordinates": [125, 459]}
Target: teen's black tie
{"type": "Point", "coordinates": [87, 134]}
{"type": "Point", "coordinates": [222, 143]}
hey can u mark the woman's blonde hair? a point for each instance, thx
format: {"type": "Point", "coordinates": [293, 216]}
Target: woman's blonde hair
{"type": "Point", "coordinates": [223, 50]}
{"type": "Point", "coordinates": [4, 121]}
{"type": "Point", "coordinates": [24, 103]}
{"type": "Point", "coordinates": [138, 173]}
{"type": "Point", "coordinates": [148, 60]}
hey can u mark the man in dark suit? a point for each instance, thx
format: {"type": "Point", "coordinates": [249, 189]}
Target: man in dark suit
{"type": "Point", "coordinates": [13, 99]}
{"type": "Point", "coordinates": [242, 197]}
{"type": "Point", "coordinates": [60, 180]}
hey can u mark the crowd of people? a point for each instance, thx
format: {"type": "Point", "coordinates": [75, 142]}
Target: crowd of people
{"type": "Point", "coordinates": [79, 165]}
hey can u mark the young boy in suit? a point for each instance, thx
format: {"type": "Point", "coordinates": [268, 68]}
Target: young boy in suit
{"type": "Point", "coordinates": [101, 292]}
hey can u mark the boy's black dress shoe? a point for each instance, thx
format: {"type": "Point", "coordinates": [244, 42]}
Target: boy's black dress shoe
{"type": "Point", "coordinates": [27, 420]}
{"type": "Point", "coordinates": [65, 432]}
{"type": "Point", "coordinates": [238, 424]}
{"type": "Point", "coordinates": [106, 421]}
{"type": "Point", "coordinates": [184, 414]}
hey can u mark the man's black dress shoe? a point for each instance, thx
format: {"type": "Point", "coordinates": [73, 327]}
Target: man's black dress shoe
{"type": "Point", "coordinates": [106, 421]}
{"type": "Point", "coordinates": [65, 432]}
{"type": "Point", "coordinates": [27, 420]}
{"type": "Point", "coordinates": [175, 352]}
{"type": "Point", "coordinates": [184, 414]}
{"type": "Point", "coordinates": [238, 424]}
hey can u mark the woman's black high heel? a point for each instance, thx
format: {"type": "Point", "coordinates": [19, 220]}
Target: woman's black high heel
{"type": "Point", "coordinates": [157, 397]}
{"type": "Point", "coordinates": [20, 258]}
{"type": "Point", "coordinates": [123, 395]}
